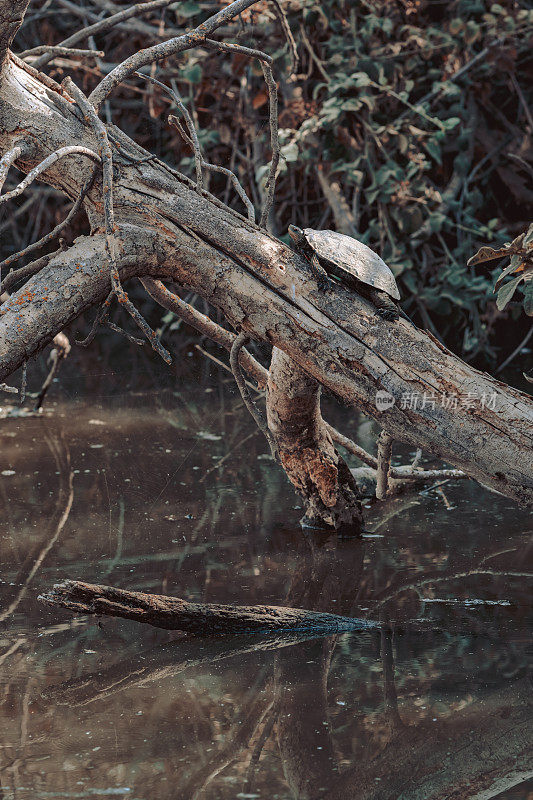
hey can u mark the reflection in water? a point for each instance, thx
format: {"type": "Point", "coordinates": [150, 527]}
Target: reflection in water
{"type": "Point", "coordinates": [119, 710]}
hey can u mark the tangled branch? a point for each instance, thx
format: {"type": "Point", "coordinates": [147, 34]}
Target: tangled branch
{"type": "Point", "coordinates": [165, 49]}
{"type": "Point", "coordinates": [46, 164]}
{"type": "Point", "coordinates": [110, 229]}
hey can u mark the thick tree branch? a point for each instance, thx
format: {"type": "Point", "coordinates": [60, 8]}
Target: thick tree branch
{"type": "Point", "coordinates": [440, 403]}
{"type": "Point", "coordinates": [11, 17]}
{"type": "Point", "coordinates": [106, 155]}
{"type": "Point", "coordinates": [383, 466]}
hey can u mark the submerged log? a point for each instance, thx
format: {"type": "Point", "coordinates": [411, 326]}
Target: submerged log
{"type": "Point", "coordinates": [173, 613]}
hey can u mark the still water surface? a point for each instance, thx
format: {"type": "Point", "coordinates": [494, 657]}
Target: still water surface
{"type": "Point", "coordinates": [179, 497]}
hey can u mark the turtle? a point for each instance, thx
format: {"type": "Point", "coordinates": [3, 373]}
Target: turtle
{"type": "Point", "coordinates": [353, 264]}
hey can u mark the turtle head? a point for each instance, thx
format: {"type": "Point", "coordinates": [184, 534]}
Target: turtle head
{"type": "Point", "coordinates": [297, 235]}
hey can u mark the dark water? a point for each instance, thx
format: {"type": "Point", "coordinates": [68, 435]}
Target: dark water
{"type": "Point", "coordinates": [138, 497]}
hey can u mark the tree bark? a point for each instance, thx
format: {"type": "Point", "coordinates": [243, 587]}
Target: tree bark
{"type": "Point", "coordinates": [306, 450]}
{"type": "Point", "coordinates": [167, 228]}
{"type": "Point", "coordinates": [172, 613]}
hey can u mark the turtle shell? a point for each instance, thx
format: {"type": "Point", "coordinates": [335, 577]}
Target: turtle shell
{"type": "Point", "coordinates": [353, 257]}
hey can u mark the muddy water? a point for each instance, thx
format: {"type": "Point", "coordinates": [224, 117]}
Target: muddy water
{"type": "Point", "coordinates": [175, 494]}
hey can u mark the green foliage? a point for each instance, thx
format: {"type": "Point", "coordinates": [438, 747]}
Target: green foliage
{"type": "Point", "coordinates": [520, 252]}
{"type": "Point", "coordinates": [412, 144]}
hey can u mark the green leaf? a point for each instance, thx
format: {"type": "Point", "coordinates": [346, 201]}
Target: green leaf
{"type": "Point", "coordinates": [192, 74]}
{"type": "Point", "coordinates": [360, 79]}
{"type": "Point", "coordinates": [436, 221]}
{"type": "Point", "coordinates": [507, 271]}
{"type": "Point", "coordinates": [188, 9]}
{"type": "Point", "coordinates": [528, 239]}
{"type": "Point", "coordinates": [506, 292]}
{"type": "Point", "coordinates": [456, 25]}
{"type": "Point", "coordinates": [451, 122]}
{"type": "Point", "coordinates": [528, 298]}
{"type": "Point", "coordinates": [290, 152]}
{"type": "Point", "coordinates": [434, 150]}
{"type": "Point", "coordinates": [351, 105]}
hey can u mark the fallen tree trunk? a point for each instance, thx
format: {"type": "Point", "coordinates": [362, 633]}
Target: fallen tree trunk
{"type": "Point", "coordinates": [167, 227]}
{"type": "Point", "coordinates": [175, 614]}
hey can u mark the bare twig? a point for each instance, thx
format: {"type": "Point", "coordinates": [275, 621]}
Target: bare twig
{"type": "Point", "coordinates": [417, 458]}
{"type": "Point", "coordinates": [106, 24]}
{"type": "Point", "coordinates": [101, 315]}
{"type": "Point", "coordinates": [189, 122]}
{"type": "Point", "coordinates": [57, 50]}
{"type": "Point", "coordinates": [286, 28]}
{"type": "Point", "coordinates": [129, 336]}
{"type": "Point", "coordinates": [44, 165]}
{"type": "Point", "coordinates": [193, 141]}
{"type": "Point", "coordinates": [8, 159]}
{"type": "Point", "coordinates": [270, 185]}
{"type": "Point", "coordinates": [26, 272]}
{"type": "Point", "coordinates": [110, 229]}
{"type": "Point", "coordinates": [523, 102]}
{"type": "Point", "coordinates": [230, 452]}
{"type": "Point", "coordinates": [516, 351]}
{"type": "Point", "coordinates": [4, 387]}
{"type": "Point", "coordinates": [522, 162]}
{"type": "Point", "coordinates": [266, 65]}
{"type": "Point", "coordinates": [313, 55]}
{"type": "Point", "coordinates": [24, 382]}
{"type": "Point", "coordinates": [224, 366]}
{"type": "Point", "coordinates": [202, 323]}
{"type": "Point", "coordinates": [52, 234]}
{"type": "Point", "coordinates": [383, 468]}
{"type": "Point", "coordinates": [352, 447]}
{"type": "Point", "coordinates": [165, 49]}
{"type": "Point", "coordinates": [60, 351]}
{"type": "Point", "coordinates": [240, 340]}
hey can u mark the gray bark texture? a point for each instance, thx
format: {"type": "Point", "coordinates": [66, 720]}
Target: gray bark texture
{"type": "Point", "coordinates": [167, 228]}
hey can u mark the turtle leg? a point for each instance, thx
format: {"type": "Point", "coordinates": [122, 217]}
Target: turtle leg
{"type": "Point", "coordinates": [385, 305]}
{"type": "Point", "coordinates": [319, 272]}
